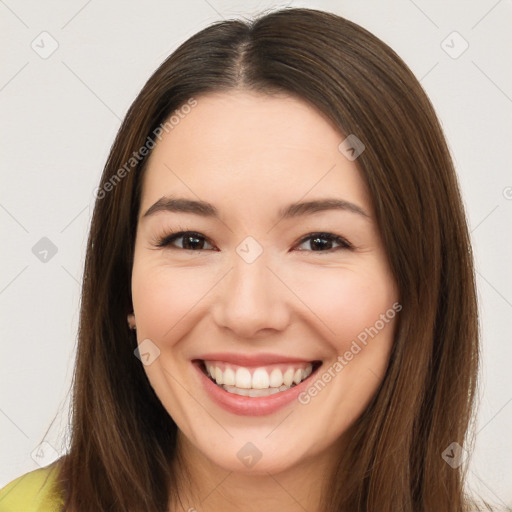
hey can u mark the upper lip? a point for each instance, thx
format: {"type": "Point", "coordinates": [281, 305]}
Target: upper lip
{"type": "Point", "coordinates": [252, 359]}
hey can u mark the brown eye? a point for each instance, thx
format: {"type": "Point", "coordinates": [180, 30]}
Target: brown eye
{"type": "Point", "coordinates": [323, 242]}
{"type": "Point", "coordinates": [191, 241]}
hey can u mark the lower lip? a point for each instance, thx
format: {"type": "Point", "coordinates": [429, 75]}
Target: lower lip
{"type": "Point", "coordinates": [250, 406]}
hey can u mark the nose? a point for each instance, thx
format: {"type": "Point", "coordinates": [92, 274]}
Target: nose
{"type": "Point", "coordinates": [251, 301]}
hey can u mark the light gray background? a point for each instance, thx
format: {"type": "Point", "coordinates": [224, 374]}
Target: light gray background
{"type": "Point", "coordinates": [60, 115]}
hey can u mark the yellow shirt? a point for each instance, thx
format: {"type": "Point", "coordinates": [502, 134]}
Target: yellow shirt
{"type": "Point", "coordinates": [33, 492]}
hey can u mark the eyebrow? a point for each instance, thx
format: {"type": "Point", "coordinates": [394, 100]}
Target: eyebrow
{"type": "Point", "coordinates": [205, 209]}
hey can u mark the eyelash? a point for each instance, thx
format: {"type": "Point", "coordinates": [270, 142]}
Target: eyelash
{"type": "Point", "coordinates": [164, 240]}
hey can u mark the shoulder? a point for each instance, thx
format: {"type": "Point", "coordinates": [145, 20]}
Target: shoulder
{"type": "Point", "coordinates": [35, 491]}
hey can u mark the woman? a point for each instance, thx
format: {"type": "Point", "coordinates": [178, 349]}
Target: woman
{"type": "Point", "coordinates": [278, 285]}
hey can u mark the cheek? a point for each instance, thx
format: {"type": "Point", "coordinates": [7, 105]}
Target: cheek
{"type": "Point", "coordinates": [347, 301]}
{"type": "Point", "coordinates": [359, 307]}
{"type": "Point", "coordinates": [164, 298]}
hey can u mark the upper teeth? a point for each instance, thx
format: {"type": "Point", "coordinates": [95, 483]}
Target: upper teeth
{"type": "Point", "coordinates": [258, 378]}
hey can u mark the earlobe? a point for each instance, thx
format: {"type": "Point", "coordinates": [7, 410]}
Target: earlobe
{"type": "Point", "coordinates": [131, 321]}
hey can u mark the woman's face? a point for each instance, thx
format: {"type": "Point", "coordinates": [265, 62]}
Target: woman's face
{"type": "Point", "coordinates": [273, 286]}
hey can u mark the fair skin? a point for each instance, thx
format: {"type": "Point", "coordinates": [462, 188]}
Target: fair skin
{"type": "Point", "coordinates": [250, 155]}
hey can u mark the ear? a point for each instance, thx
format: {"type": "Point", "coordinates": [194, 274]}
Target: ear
{"type": "Point", "coordinates": [131, 321]}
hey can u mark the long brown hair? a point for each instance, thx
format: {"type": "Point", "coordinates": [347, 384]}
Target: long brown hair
{"type": "Point", "coordinates": [123, 440]}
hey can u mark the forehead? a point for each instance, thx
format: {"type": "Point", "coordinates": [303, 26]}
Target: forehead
{"type": "Point", "coordinates": [256, 147]}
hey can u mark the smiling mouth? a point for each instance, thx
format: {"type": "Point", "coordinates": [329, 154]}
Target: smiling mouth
{"type": "Point", "coordinates": [258, 381]}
